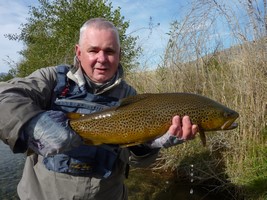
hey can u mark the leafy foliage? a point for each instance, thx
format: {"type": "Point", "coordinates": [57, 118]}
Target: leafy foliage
{"type": "Point", "coordinates": [7, 76]}
{"type": "Point", "coordinates": [52, 31]}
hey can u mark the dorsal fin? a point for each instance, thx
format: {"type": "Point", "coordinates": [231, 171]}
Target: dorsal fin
{"type": "Point", "coordinates": [134, 99]}
{"type": "Point", "coordinates": [123, 102]}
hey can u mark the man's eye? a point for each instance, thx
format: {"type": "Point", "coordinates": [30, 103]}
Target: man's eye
{"type": "Point", "coordinates": [92, 51]}
{"type": "Point", "coordinates": [110, 51]}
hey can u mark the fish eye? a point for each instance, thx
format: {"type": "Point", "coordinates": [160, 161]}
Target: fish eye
{"type": "Point", "coordinates": [227, 114]}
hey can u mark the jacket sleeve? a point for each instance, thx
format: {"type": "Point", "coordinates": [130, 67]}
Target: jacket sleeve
{"type": "Point", "coordinates": [20, 100]}
{"type": "Point", "coordinates": [142, 155]}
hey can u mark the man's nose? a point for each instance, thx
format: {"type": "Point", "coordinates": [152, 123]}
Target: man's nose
{"type": "Point", "coordinates": [101, 56]}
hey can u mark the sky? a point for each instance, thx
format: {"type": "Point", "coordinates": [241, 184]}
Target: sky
{"type": "Point", "coordinates": [12, 14]}
{"type": "Point", "coordinates": [138, 12]}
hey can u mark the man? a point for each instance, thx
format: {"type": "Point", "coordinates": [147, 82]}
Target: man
{"type": "Point", "coordinates": [33, 117]}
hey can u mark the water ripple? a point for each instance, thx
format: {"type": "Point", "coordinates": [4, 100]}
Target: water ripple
{"type": "Point", "coordinates": [11, 166]}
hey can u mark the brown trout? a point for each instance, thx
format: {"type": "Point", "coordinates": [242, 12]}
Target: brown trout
{"type": "Point", "coordinates": [144, 117]}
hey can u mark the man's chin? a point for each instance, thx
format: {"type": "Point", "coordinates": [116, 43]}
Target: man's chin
{"type": "Point", "coordinates": [101, 78]}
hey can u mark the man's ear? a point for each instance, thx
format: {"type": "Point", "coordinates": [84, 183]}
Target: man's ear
{"type": "Point", "coordinates": [77, 50]}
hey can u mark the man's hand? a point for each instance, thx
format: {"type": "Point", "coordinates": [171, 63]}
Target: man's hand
{"type": "Point", "coordinates": [49, 133]}
{"type": "Point", "coordinates": [179, 131]}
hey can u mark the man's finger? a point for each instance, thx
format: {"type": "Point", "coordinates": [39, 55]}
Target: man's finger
{"type": "Point", "coordinates": [175, 128]}
{"type": "Point", "coordinates": [186, 128]}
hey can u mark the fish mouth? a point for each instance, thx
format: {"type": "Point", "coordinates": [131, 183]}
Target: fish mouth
{"type": "Point", "coordinates": [229, 125]}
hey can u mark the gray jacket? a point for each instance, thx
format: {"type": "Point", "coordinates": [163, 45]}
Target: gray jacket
{"type": "Point", "coordinates": [23, 98]}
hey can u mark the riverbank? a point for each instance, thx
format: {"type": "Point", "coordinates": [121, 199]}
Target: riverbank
{"type": "Point", "coordinates": [147, 184]}
{"type": "Point", "coordinates": [237, 78]}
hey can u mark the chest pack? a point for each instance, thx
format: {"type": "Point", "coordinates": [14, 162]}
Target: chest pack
{"type": "Point", "coordinates": [97, 161]}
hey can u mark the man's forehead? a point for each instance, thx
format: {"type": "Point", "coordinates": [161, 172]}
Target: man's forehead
{"type": "Point", "coordinates": [105, 36]}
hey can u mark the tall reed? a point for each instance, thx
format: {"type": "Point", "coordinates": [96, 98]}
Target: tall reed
{"type": "Point", "coordinates": [236, 77]}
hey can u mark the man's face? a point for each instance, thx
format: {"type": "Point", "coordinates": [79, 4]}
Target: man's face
{"type": "Point", "coordinates": [99, 54]}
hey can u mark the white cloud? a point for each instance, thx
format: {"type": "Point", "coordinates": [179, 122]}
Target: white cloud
{"type": "Point", "coordinates": [12, 14]}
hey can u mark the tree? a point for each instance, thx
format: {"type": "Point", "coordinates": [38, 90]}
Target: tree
{"type": "Point", "coordinates": [7, 76]}
{"type": "Point", "coordinates": [52, 31]}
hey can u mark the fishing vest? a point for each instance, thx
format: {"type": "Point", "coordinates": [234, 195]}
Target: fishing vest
{"type": "Point", "coordinates": [85, 160]}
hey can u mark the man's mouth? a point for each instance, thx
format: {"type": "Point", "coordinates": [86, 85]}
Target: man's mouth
{"type": "Point", "coordinates": [101, 69]}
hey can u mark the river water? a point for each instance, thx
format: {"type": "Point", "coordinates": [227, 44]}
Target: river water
{"type": "Point", "coordinates": [11, 166]}
{"type": "Point", "coordinates": [142, 184]}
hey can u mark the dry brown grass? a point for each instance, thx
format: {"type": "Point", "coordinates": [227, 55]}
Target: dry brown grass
{"type": "Point", "coordinates": [237, 78]}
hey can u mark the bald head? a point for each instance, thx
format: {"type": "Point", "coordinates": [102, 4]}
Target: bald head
{"type": "Point", "coordinates": [100, 24]}
{"type": "Point", "coordinates": [99, 50]}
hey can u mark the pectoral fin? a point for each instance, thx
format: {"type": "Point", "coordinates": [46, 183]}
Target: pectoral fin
{"type": "Point", "coordinates": [130, 144]}
{"type": "Point", "coordinates": [73, 116]}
